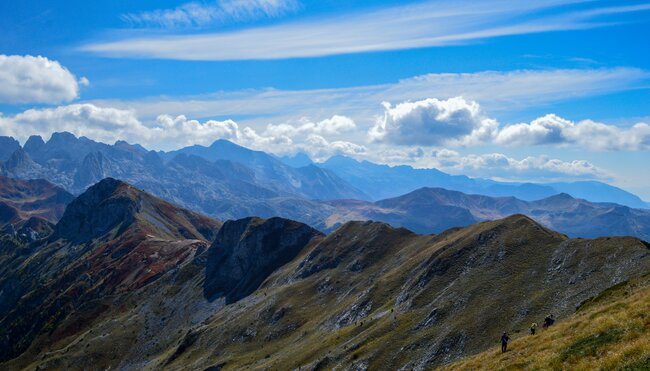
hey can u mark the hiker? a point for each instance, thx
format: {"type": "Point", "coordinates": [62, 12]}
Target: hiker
{"type": "Point", "coordinates": [504, 342]}
{"type": "Point", "coordinates": [533, 327]}
{"type": "Point", "coordinates": [548, 321]}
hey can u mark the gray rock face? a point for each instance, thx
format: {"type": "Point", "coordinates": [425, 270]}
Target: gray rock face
{"type": "Point", "coordinates": [96, 212]}
{"type": "Point", "coordinates": [246, 251]}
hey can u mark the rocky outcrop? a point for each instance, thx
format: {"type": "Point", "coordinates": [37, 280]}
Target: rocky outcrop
{"type": "Point", "coordinates": [92, 170]}
{"type": "Point", "coordinates": [97, 211]}
{"type": "Point", "coordinates": [245, 252]}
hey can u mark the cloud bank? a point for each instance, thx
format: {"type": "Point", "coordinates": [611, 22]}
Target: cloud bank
{"type": "Point", "coordinates": [443, 123]}
{"type": "Point", "coordinates": [458, 122]}
{"type": "Point", "coordinates": [29, 79]}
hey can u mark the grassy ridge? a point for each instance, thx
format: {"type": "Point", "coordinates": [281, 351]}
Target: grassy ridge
{"type": "Point", "coordinates": [610, 332]}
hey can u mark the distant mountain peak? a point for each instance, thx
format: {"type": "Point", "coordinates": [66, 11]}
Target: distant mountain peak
{"type": "Point", "coordinates": [62, 137]}
{"type": "Point", "coordinates": [34, 143]}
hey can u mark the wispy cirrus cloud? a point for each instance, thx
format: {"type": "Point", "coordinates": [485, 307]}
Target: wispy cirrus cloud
{"type": "Point", "coordinates": [426, 24]}
{"type": "Point", "coordinates": [496, 91]}
{"type": "Point", "coordinates": [217, 12]}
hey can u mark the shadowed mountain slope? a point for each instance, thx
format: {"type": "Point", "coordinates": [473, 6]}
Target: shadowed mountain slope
{"type": "Point", "coordinates": [365, 296]}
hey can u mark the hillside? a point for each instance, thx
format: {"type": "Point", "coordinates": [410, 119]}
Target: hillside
{"type": "Point", "coordinates": [28, 208]}
{"type": "Point", "coordinates": [112, 239]}
{"type": "Point", "coordinates": [611, 331]}
{"type": "Point", "coordinates": [367, 295]}
{"type": "Point", "coordinates": [34, 198]}
{"type": "Point", "coordinates": [432, 210]}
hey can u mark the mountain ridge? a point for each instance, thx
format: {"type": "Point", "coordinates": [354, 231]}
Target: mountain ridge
{"type": "Point", "coordinates": [133, 296]}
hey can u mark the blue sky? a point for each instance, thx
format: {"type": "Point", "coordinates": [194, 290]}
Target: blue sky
{"type": "Point", "coordinates": [541, 91]}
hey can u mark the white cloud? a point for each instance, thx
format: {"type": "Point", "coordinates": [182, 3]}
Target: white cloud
{"type": "Point", "coordinates": [433, 122]}
{"type": "Point", "coordinates": [551, 129]}
{"type": "Point", "coordinates": [426, 24]}
{"type": "Point", "coordinates": [201, 14]}
{"type": "Point", "coordinates": [108, 124]}
{"type": "Point", "coordinates": [320, 149]}
{"type": "Point", "coordinates": [104, 124]}
{"type": "Point", "coordinates": [167, 132]}
{"type": "Point", "coordinates": [331, 126]}
{"type": "Point", "coordinates": [498, 165]}
{"type": "Point", "coordinates": [29, 79]}
{"type": "Point", "coordinates": [458, 122]}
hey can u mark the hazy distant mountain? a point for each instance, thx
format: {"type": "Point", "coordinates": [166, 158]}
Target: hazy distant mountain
{"type": "Point", "coordinates": [127, 281]}
{"type": "Point", "coordinates": [201, 178]}
{"type": "Point", "coordinates": [300, 159]}
{"type": "Point", "coordinates": [308, 181]}
{"type": "Point", "coordinates": [8, 145]}
{"type": "Point", "coordinates": [433, 210]}
{"type": "Point", "coordinates": [383, 181]}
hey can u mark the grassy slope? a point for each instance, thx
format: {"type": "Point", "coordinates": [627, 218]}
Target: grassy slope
{"type": "Point", "coordinates": [611, 332]}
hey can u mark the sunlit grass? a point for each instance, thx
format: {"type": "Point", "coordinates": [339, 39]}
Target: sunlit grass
{"type": "Point", "coordinates": [612, 333]}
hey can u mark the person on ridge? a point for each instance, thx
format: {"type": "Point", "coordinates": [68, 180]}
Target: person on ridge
{"type": "Point", "coordinates": [548, 321]}
{"type": "Point", "coordinates": [533, 327]}
{"type": "Point", "coordinates": [504, 342]}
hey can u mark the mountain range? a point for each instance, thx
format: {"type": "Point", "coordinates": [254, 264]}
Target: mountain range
{"type": "Point", "coordinates": [227, 181]}
{"type": "Point", "coordinates": [432, 210]}
{"type": "Point", "coordinates": [127, 281]}
{"type": "Point", "coordinates": [383, 181]}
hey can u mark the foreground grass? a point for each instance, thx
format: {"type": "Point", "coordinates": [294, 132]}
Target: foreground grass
{"type": "Point", "coordinates": [610, 332]}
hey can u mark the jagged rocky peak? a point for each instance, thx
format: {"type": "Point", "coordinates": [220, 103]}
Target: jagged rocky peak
{"type": "Point", "coordinates": [34, 144]}
{"type": "Point", "coordinates": [19, 160]}
{"type": "Point", "coordinates": [97, 211]}
{"type": "Point", "coordinates": [246, 251]}
{"type": "Point", "coordinates": [8, 145]}
{"type": "Point", "coordinates": [92, 169]}
{"type": "Point", "coordinates": [62, 138]}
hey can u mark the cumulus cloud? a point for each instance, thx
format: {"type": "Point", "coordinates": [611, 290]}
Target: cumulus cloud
{"type": "Point", "coordinates": [320, 149]}
{"type": "Point", "coordinates": [458, 122]}
{"type": "Point", "coordinates": [331, 126]}
{"type": "Point", "coordinates": [433, 122]}
{"type": "Point", "coordinates": [498, 165]}
{"type": "Point", "coordinates": [29, 79]}
{"type": "Point", "coordinates": [200, 14]}
{"type": "Point", "coordinates": [552, 129]}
